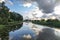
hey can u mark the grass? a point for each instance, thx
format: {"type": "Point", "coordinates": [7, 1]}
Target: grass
{"type": "Point", "coordinates": [2, 26]}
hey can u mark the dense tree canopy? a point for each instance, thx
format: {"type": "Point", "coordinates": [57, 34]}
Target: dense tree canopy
{"type": "Point", "coordinates": [6, 16]}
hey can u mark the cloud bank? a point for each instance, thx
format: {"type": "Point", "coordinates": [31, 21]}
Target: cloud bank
{"type": "Point", "coordinates": [46, 6]}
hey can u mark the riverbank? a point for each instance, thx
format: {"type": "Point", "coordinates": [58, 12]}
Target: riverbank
{"type": "Point", "coordinates": [5, 29]}
{"type": "Point", "coordinates": [51, 23]}
{"type": "Point", "coordinates": [10, 24]}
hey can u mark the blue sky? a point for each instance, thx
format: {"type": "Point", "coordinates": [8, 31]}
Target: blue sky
{"type": "Point", "coordinates": [19, 8]}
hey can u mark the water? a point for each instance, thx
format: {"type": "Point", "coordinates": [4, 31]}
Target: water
{"type": "Point", "coordinates": [24, 30]}
{"type": "Point", "coordinates": [30, 31]}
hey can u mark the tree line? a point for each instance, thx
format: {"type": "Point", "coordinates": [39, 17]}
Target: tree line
{"type": "Point", "coordinates": [51, 23]}
{"type": "Point", "coordinates": [7, 16]}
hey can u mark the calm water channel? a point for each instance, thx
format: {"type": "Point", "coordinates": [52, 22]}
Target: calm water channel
{"type": "Point", "coordinates": [30, 31]}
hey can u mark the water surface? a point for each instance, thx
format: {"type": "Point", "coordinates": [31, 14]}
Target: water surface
{"type": "Point", "coordinates": [30, 31]}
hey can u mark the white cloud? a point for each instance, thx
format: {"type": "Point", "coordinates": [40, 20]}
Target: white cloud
{"type": "Point", "coordinates": [34, 13]}
{"type": "Point", "coordinates": [37, 12]}
{"type": "Point", "coordinates": [1, 1]}
{"type": "Point", "coordinates": [27, 5]}
{"type": "Point", "coordinates": [57, 10]}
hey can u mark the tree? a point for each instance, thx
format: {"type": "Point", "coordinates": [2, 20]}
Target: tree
{"type": "Point", "coordinates": [7, 16]}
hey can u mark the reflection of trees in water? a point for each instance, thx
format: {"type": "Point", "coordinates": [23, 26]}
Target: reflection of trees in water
{"type": "Point", "coordinates": [47, 34]}
{"type": "Point", "coordinates": [4, 33]}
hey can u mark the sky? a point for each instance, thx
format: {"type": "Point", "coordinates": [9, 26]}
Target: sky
{"type": "Point", "coordinates": [33, 7]}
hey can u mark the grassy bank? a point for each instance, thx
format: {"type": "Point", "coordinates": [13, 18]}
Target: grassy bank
{"type": "Point", "coordinates": [10, 24]}
{"type": "Point", "coordinates": [2, 26]}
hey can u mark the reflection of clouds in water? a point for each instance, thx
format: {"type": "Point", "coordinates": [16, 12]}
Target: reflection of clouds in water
{"type": "Point", "coordinates": [28, 37]}
{"type": "Point", "coordinates": [57, 33]}
{"type": "Point", "coordinates": [36, 29]}
{"type": "Point", "coordinates": [31, 30]}
{"type": "Point", "coordinates": [18, 35]}
{"type": "Point", "coordinates": [47, 34]}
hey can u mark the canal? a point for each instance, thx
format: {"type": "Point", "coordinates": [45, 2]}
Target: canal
{"type": "Point", "coordinates": [31, 31]}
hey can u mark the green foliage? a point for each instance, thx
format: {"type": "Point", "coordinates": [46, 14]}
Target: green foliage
{"type": "Point", "coordinates": [15, 16]}
{"type": "Point", "coordinates": [6, 16]}
{"type": "Point", "coordinates": [8, 21]}
{"type": "Point", "coordinates": [49, 22]}
{"type": "Point", "coordinates": [5, 29]}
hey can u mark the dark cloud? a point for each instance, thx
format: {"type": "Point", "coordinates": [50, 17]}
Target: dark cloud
{"type": "Point", "coordinates": [47, 6]}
